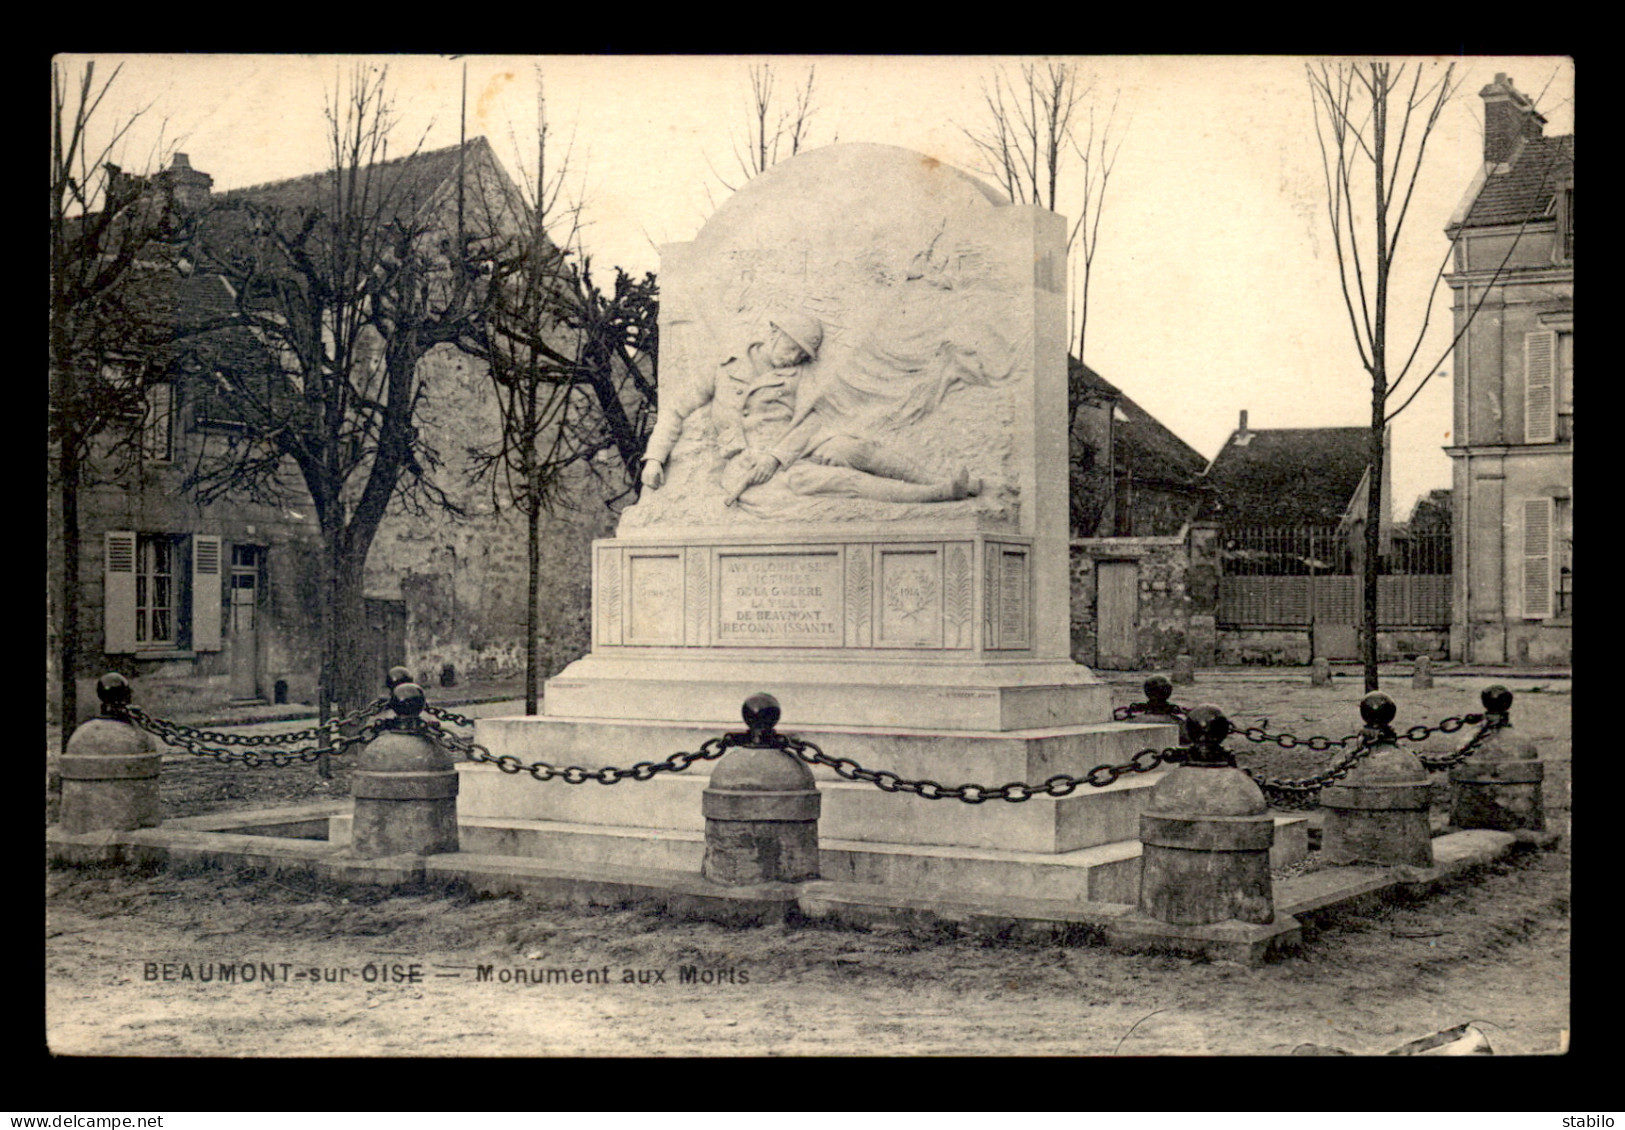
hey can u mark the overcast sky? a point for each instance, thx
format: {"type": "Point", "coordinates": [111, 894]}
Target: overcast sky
{"type": "Point", "coordinates": [1215, 288]}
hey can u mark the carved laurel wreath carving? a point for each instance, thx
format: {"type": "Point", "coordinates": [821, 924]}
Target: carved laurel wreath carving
{"type": "Point", "coordinates": [910, 592]}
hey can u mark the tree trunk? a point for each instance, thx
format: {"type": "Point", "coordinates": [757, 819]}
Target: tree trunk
{"type": "Point", "coordinates": [357, 672]}
{"type": "Point", "coordinates": [68, 628]}
{"type": "Point", "coordinates": [1373, 548]}
{"type": "Point", "coordinates": [533, 612]}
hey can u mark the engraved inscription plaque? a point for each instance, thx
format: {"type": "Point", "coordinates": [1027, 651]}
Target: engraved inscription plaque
{"type": "Point", "coordinates": [779, 599]}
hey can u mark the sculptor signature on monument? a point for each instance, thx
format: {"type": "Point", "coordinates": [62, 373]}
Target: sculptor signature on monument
{"type": "Point", "coordinates": [768, 419]}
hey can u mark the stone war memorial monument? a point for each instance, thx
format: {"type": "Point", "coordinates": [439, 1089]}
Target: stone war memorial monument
{"type": "Point", "coordinates": [854, 499]}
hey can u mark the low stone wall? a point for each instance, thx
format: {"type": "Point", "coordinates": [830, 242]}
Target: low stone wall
{"type": "Point", "coordinates": [1176, 597]}
{"type": "Point", "coordinates": [1291, 647]}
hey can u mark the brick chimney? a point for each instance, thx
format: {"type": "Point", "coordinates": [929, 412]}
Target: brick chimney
{"type": "Point", "coordinates": [190, 187]}
{"type": "Point", "coordinates": [1243, 436]}
{"type": "Point", "coordinates": [1508, 115]}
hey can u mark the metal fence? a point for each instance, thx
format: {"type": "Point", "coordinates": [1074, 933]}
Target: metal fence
{"type": "Point", "coordinates": [1295, 576]}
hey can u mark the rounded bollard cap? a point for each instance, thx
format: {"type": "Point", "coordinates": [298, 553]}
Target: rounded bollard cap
{"type": "Point", "coordinates": [1496, 699]}
{"type": "Point", "coordinates": [407, 700]}
{"type": "Point", "coordinates": [761, 714]}
{"type": "Point", "coordinates": [114, 691]}
{"type": "Point", "coordinates": [1159, 689]}
{"type": "Point", "coordinates": [1208, 725]}
{"type": "Point", "coordinates": [397, 676]}
{"type": "Point", "coordinates": [1207, 728]}
{"type": "Point", "coordinates": [1378, 710]}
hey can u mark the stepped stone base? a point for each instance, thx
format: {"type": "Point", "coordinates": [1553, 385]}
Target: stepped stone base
{"type": "Point", "coordinates": [917, 693]}
{"type": "Point", "coordinates": [851, 810]}
{"type": "Point", "coordinates": [1104, 873]}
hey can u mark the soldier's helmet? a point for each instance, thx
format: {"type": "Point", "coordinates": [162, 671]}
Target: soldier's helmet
{"type": "Point", "coordinates": [803, 329]}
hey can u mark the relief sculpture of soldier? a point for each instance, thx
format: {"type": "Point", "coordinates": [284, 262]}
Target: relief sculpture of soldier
{"type": "Point", "coordinates": [774, 415]}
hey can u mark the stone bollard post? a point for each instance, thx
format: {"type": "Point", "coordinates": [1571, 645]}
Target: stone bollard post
{"type": "Point", "coordinates": [405, 786]}
{"type": "Point", "coordinates": [761, 809]}
{"type": "Point", "coordinates": [1184, 672]}
{"type": "Point", "coordinates": [1159, 710]}
{"type": "Point", "coordinates": [1320, 673]}
{"type": "Point", "coordinates": [1422, 677]}
{"type": "Point", "coordinates": [110, 769]}
{"type": "Point", "coordinates": [1499, 786]}
{"type": "Point", "coordinates": [1206, 837]}
{"type": "Point", "coordinates": [1379, 812]}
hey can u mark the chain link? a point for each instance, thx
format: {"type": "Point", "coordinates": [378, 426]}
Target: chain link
{"type": "Point", "coordinates": [1469, 747]}
{"type": "Point", "coordinates": [1296, 790]}
{"type": "Point", "coordinates": [1060, 785]}
{"type": "Point", "coordinates": [1319, 744]}
{"type": "Point", "coordinates": [194, 741]}
{"type": "Point", "coordinates": [449, 716]}
{"type": "Point", "coordinates": [1159, 710]}
{"type": "Point", "coordinates": [575, 774]}
{"type": "Point", "coordinates": [292, 737]}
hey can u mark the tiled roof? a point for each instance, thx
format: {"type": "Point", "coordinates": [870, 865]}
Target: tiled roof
{"type": "Point", "coordinates": [413, 178]}
{"type": "Point", "coordinates": [1537, 171]}
{"type": "Point", "coordinates": [1294, 475]}
{"type": "Point", "coordinates": [1143, 445]}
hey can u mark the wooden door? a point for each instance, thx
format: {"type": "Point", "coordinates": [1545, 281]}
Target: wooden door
{"type": "Point", "coordinates": [245, 592]}
{"type": "Point", "coordinates": [1118, 614]}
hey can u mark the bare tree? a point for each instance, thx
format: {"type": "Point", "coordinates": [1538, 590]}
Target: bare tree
{"type": "Point", "coordinates": [528, 351]}
{"type": "Point", "coordinates": [1046, 142]}
{"type": "Point", "coordinates": [774, 130]}
{"type": "Point", "coordinates": [345, 296]}
{"type": "Point", "coordinates": [573, 370]}
{"type": "Point", "coordinates": [1373, 121]}
{"type": "Point", "coordinates": [103, 221]}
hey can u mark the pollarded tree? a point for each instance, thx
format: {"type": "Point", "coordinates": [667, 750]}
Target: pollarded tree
{"type": "Point", "coordinates": [345, 289]}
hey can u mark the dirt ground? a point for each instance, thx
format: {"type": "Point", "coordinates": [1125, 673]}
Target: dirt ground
{"type": "Point", "coordinates": [355, 971]}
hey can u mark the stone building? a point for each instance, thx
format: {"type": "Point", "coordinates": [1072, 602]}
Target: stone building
{"type": "Point", "coordinates": [1512, 276]}
{"type": "Point", "coordinates": [1131, 477]}
{"type": "Point", "coordinates": [219, 601]}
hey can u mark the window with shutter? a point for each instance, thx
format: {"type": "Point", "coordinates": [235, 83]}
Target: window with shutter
{"type": "Point", "coordinates": [1539, 401]}
{"type": "Point", "coordinates": [206, 592]}
{"type": "Point", "coordinates": [118, 592]}
{"type": "Point", "coordinates": [1537, 559]}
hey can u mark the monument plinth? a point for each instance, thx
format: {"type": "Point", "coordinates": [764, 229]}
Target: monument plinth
{"type": "Point", "coordinates": [859, 472]}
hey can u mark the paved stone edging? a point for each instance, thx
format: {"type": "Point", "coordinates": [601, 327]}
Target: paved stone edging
{"type": "Point", "coordinates": [238, 840]}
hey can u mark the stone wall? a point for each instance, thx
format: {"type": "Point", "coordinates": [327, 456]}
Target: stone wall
{"type": "Point", "coordinates": [1289, 647]}
{"type": "Point", "coordinates": [1177, 594]}
{"type": "Point", "coordinates": [462, 579]}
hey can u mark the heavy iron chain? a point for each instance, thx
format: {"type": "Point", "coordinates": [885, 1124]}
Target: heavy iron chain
{"type": "Point", "coordinates": [292, 737]}
{"type": "Point", "coordinates": [1321, 745]}
{"type": "Point", "coordinates": [575, 774]}
{"type": "Point", "coordinates": [1445, 761]}
{"type": "Point", "coordinates": [1296, 792]}
{"type": "Point", "coordinates": [448, 716]}
{"type": "Point", "coordinates": [1288, 741]}
{"type": "Point", "coordinates": [193, 741]}
{"type": "Point", "coordinates": [1062, 784]}
{"type": "Point", "coordinates": [1160, 710]}
{"type": "Point", "coordinates": [1296, 789]}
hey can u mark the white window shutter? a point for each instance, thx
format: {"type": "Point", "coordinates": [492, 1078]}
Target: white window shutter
{"type": "Point", "coordinates": [205, 592]}
{"type": "Point", "coordinates": [118, 591]}
{"type": "Point", "coordinates": [1539, 368]}
{"type": "Point", "coordinates": [1537, 559]}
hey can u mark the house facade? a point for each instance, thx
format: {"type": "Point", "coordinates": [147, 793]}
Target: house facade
{"type": "Point", "coordinates": [1512, 279]}
{"type": "Point", "coordinates": [220, 601]}
{"type": "Point", "coordinates": [1131, 476]}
